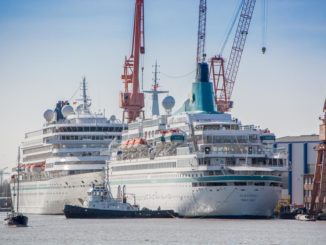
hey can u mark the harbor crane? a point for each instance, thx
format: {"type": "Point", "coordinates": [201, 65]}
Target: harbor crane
{"type": "Point", "coordinates": [131, 99]}
{"type": "Point", "coordinates": [318, 193]}
{"type": "Point", "coordinates": [201, 39]}
{"type": "Point", "coordinates": [224, 78]}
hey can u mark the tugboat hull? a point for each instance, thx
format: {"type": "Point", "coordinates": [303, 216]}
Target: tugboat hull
{"type": "Point", "coordinates": [76, 212]}
{"type": "Point", "coordinates": [16, 220]}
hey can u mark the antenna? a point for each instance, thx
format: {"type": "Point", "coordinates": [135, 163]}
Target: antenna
{"type": "Point", "coordinates": [155, 92]}
{"type": "Point", "coordinates": [84, 98]}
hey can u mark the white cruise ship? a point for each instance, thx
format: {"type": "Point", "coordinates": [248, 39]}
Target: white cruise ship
{"type": "Point", "coordinates": [62, 160]}
{"type": "Point", "coordinates": [198, 162]}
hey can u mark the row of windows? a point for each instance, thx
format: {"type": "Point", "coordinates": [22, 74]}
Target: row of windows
{"type": "Point", "coordinates": [218, 127]}
{"type": "Point", "coordinates": [230, 148]}
{"type": "Point", "coordinates": [87, 137]}
{"type": "Point", "coordinates": [38, 149]}
{"type": "Point", "coordinates": [197, 184]}
{"type": "Point", "coordinates": [254, 161]}
{"type": "Point", "coordinates": [77, 154]}
{"type": "Point", "coordinates": [226, 139]}
{"type": "Point", "coordinates": [89, 129]}
{"type": "Point", "coordinates": [266, 161]}
{"type": "Point", "coordinates": [307, 193]}
{"type": "Point", "coordinates": [145, 166]}
{"type": "Point", "coordinates": [80, 162]}
{"type": "Point", "coordinates": [308, 180]}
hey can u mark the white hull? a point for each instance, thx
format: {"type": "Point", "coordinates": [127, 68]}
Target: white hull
{"type": "Point", "coordinates": [226, 201]}
{"type": "Point", "coordinates": [50, 196]}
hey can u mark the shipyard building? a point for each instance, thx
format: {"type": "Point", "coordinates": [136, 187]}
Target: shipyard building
{"type": "Point", "coordinates": [301, 159]}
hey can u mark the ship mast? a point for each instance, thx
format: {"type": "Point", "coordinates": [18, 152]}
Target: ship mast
{"type": "Point", "coordinates": [155, 92]}
{"type": "Point", "coordinates": [84, 98]}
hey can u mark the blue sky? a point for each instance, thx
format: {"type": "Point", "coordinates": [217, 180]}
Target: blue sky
{"type": "Point", "coordinates": [47, 46]}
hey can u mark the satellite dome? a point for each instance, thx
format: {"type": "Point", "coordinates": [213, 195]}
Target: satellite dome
{"type": "Point", "coordinates": [113, 118]}
{"type": "Point", "coordinates": [168, 102]}
{"type": "Point", "coordinates": [48, 115]}
{"type": "Point", "coordinates": [67, 110]}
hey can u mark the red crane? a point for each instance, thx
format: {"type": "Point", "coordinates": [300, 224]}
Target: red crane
{"type": "Point", "coordinates": [132, 100]}
{"type": "Point", "coordinates": [224, 79]}
{"type": "Point", "coordinates": [318, 193]}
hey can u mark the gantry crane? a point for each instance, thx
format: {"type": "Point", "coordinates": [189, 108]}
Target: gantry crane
{"type": "Point", "coordinates": [224, 79]}
{"type": "Point", "coordinates": [132, 100]}
{"type": "Point", "coordinates": [318, 193]}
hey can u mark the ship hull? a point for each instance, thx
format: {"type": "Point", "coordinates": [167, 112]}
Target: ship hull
{"type": "Point", "coordinates": [76, 212]}
{"type": "Point", "coordinates": [16, 220]}
{"type": "Point", "coordinates": [225, 202]}
{"type": "Point", "coordinates": [50, 196]}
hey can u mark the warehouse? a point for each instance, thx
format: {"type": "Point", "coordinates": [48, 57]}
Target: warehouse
{"type": "Point", "coordinates": [301, 160]}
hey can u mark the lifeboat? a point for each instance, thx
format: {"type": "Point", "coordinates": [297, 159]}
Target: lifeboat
{"type": "Point", "coordinates": [173, 135]}
{"type": "Point", "coordinates": [131, 143]}
{"type": "Point", "coordinates": [37, 167]}
{"type": "Point", "coordinates": [124, 144]}
{"type": "Point", "coordinates": [140, 141]}
{"type": "Point", "coordinates": [28, 167]}
{"type": "Point", "coordinates": [137, 142]}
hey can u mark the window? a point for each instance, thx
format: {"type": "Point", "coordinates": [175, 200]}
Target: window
{"type": "Point", "coordinates": [240, 183]}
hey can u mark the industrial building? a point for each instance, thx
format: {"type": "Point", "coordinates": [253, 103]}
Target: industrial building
{"type": "Point", "coordinates": [302, 156]}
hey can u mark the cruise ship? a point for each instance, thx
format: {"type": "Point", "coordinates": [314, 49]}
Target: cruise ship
{"type": "Point", "coordinates": [59, 162]}
{"type": "Point", "coordinates": [198, 161]}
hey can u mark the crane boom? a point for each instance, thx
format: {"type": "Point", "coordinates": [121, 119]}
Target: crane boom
{"type": "Point", "coordinates": [224, 79]}
{"type": "Point", "coordinates": [201, 31]}
{"type": "Point", "coordinates": [132, 101]}
{"type": "Point", "coordinates": [238, 44]}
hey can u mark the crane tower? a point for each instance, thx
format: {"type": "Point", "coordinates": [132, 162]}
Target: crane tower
{"type": "Point", "coordinates": [318, 193]}
{"type": "Point", "coordinates": [131, 99]}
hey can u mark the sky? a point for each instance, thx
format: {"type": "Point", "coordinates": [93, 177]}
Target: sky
{"type": "Point", "coordinates": [46, 47]}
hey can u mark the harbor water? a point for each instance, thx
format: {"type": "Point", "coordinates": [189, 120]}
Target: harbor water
{"type": "Point", "coordinates": [54, 229]}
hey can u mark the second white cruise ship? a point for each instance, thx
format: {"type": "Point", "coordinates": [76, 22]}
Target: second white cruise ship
{"type": "Point", "coordinates": [62, 160]}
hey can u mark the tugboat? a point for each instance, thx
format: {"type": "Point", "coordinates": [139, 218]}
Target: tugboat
{"type": "Point", "coordinates": [305, 217]}
{"type": "Point", "coordinates": [16, 219]}
{"type": "Point", "coordinates": [101, 204]}
{"type": "Point", "coordinates": [290, 212]}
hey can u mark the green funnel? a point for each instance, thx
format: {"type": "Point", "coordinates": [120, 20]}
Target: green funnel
{"type": "Point", "coordinates": [202, 98]}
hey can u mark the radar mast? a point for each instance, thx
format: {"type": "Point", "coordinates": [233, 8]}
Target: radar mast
{"type": "Point", "coordinates": [155, 92]}
{"type": "Point", "coordinates": [84, 98]}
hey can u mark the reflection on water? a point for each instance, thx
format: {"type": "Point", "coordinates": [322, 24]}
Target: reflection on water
{"type": "Point", "coordinates": [59, 230]}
